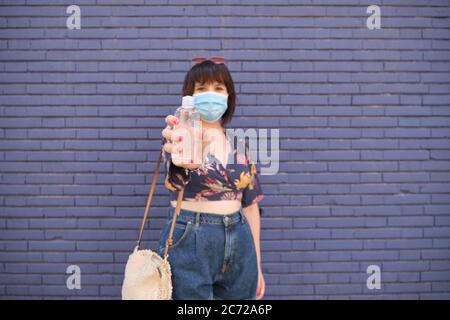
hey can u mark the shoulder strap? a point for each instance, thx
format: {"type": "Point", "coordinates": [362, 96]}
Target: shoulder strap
{"type": "Point", "coordinates": [147, 207]}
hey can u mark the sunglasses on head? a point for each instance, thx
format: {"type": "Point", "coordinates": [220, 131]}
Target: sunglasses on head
{"type": "Point", "coordinates": [215, 59]}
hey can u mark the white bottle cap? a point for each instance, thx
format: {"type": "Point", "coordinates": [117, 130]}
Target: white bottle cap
{"type": "Point", "coordinates": [187, 102]}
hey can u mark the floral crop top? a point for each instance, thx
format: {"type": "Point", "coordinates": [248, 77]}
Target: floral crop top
{"type": "Point", "coordinates": [238, 180]}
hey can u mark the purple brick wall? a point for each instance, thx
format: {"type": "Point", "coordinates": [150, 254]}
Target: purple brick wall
{"type": "Point", "coordinates": [364, 122]}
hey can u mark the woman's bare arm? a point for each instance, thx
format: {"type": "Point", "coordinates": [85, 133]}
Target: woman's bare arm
{"type": "Point", "coordinates": [252, 214]}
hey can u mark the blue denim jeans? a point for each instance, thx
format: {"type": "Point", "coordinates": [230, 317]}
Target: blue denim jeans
{"type": "Point", "coordinates": [212, 256]}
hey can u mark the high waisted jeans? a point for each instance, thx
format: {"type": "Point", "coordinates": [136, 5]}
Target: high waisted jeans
{"type": "Point", "coordinates": [212, 256]}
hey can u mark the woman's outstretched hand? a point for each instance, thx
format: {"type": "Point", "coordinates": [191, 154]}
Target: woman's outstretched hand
{"type": "Point", "coordinates": [174, 137]}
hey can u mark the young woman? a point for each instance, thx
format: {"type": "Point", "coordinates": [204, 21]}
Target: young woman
{"type": "Point", "coordinates": [215, 253]}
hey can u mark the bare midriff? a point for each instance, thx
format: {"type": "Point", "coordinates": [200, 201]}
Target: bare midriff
{"type": "Point", "coordinates": [215, 207]}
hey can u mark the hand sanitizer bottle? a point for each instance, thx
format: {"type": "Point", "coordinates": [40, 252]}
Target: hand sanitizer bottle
{"type": "Point", "coordinates": [191, 126]}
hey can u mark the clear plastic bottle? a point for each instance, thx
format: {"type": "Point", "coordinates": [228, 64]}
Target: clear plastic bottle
{"type": "Point", "coordinates": [190, 123]}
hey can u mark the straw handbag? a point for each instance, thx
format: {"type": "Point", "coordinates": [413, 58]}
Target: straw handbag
{"type": "Point", "coordinates": [148, 276]}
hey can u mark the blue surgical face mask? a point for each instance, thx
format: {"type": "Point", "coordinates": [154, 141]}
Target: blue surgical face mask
{"type": "Point", "coordinates": [211, 105]}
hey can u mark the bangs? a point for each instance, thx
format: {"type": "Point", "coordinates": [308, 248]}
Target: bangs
{"type": "Point", "coordinates": [209, 73]}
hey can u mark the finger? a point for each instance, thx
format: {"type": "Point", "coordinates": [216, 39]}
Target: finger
{"type": "Point", "coordinates": [167, 133]}
{"type": "Point", "coordinates": [261, 291]}
{"type": "Point", "coordinates": [263, 288]}
{"type": "Point", "coordinates": [168, 147]}
{"type": "Point", "coordinates": [261, 294]}
{"type": "Point", "coordinates": [260, 288]}
{"type": "Point", "coordinates": [171, 120]}
{"type": "Point", "coordinates": [173, 135]}
{"type": "Point", "coordinates": [173, 148]}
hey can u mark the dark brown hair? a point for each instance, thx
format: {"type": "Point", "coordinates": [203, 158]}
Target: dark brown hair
{"type": "Point", "coordinates": [207, 72]}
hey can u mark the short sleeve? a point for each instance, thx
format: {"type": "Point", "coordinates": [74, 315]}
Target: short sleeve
{"type": "Point", "coordinates": [176, 177]}
{"type": "Point", "coordinates": [253, 193]}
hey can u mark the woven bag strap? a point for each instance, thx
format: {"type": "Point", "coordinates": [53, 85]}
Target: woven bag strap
{"type": "Point", "coordinates": [147, 207]}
